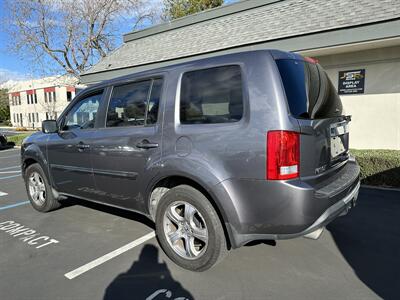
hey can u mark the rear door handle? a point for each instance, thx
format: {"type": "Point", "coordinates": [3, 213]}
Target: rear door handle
{"type": "Point", "coordinates": [145, 144]}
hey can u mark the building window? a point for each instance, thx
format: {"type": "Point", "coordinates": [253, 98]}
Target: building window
{"type": "Point", "coordinates": [47, 116]}
{"type": "Point", "coordinates": [69, 96]}
{"type": "Point", "coordinates": [50, 97]}
{"type": "Point", "coordinates": [29, 117]}
{"type": "Point", "coordinates": [37, 117]}
{"type": "Point", "coordinates": [211, 96]}
{"type": "Point", "coordinates": [50, 94]}
{"type": "Point", "coordinates": [31, 96]}
{"type": "Point", "coordinates": [16, 99]}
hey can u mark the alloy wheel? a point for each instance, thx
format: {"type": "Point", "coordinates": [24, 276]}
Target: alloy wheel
{"type": "Point", "coordinates": [37, 188]}
{"type": "Point", "coordinates": [185, 230]}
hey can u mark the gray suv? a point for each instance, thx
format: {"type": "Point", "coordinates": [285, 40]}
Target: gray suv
{"type": "Point", "coordinates": [217, 152]}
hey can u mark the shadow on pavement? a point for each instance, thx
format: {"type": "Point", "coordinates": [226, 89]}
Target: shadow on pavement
{"type": "Point", "coordinates": [388, 177]}
{"type": "Point", "coordinates": [127, 214]}
{"type": "Point", "coordinates": [369, 239]}
{"type": "Point", "coordinates": [146, 279]}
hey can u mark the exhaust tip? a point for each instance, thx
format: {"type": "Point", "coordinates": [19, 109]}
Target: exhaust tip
{"type": "Point", "coordinates": [315, 234]}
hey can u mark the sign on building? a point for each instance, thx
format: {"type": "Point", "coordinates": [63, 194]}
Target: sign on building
{"type": "Point", "coordinates": [351, 82]}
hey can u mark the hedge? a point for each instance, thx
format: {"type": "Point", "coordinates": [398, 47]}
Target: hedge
{"type": "Point", "coordinates": [379, 167]}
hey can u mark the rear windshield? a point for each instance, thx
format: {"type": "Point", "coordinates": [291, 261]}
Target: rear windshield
{"type": "Point", "coordinates": [309, 92]}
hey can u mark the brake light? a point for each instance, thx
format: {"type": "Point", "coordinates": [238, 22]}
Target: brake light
{"type": "Point", "coordinates": [283, 155]}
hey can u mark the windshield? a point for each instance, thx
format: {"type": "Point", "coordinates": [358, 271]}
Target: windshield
{"type": "Point", "coordinates": [309, 91]}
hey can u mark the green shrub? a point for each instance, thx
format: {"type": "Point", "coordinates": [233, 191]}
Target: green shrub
{"type": "Point", "coordinates": [18, 138]}
{"type": "Point", "coordinates": [379, 167]}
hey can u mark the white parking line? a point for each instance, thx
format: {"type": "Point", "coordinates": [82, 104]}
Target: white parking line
{"type": "Point", "coordinates": [79, 271]}
{"type": "Point", "coordinates": [8, 168]}
{"type": "Point", "coordinates": [3, 194]}
{"type": "Point", "coordinates": [12, 176]}
{"type": "Point", "coordinates": [2, 151]}
{"type": "Point", "coordinates": [9, 156]}
{"type": "Point", "coordinates": [8, 172]}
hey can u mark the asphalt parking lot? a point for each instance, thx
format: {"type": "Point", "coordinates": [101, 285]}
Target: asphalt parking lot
{"type": "Point", "coordinates": [70, 254]}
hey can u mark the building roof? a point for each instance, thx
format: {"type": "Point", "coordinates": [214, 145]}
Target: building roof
{"type": "Point", "coordinates": [33, 84]}
{"type": "Point", "coordinates": [253, 22]}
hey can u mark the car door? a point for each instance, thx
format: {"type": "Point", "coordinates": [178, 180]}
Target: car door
{"type": "Point", "coordinates": [129, 143]}
{"type": "Point", "coordinates": [69, 150]}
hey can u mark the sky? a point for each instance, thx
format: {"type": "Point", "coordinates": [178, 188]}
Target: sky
{"type": "Point", "coordinates": [13, 67]}
{"type": "Point", "coordinates": [9, 63]}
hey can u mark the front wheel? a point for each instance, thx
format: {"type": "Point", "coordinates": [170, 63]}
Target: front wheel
{"type": "Point", "coordinates": [189, 229]}
{"type": "Point", "coordinates": [39, 189]}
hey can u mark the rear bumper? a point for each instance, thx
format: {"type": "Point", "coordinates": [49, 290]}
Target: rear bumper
{"type": "Point", "coordinates": [340, 208]}
{"type": "Point", "coordinates": [275, 210]}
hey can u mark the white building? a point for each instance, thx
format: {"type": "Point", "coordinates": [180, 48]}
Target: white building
{"type": "Point", "coordinates": [33, 101]}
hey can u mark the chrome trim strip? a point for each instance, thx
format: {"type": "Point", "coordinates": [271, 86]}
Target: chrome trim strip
{"type": "Point", "coordinates": [71, 168]}
{"type": "Point", "coordinates": [129, 175]}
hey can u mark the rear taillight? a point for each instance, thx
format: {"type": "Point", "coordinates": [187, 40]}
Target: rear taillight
{"type": "Point", "coordinates": [283, 155]}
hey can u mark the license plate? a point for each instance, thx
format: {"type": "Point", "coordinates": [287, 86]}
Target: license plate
{"type": "Point", "coordinates": [339, 138]}
{"type": "Point", "coordinates": [337, 146]}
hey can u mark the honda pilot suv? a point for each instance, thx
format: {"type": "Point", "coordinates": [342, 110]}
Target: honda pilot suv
{"type": "Point", "coordinates": [217, 152]}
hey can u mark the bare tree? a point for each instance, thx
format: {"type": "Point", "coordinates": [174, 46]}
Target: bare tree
{"type": "Point", "coordinates": [74, 34]}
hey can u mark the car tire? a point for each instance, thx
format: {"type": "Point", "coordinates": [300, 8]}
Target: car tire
{"type": "Point", "coordinates": [39, 190]}
{"type": "Point", "coordinates": [198, 241]}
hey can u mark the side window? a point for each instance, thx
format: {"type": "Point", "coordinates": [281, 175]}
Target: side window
{"type": "Point", "coordinates": [211, 96]}
{"type": "Point", "coordinates": [134, 104]}
{"type": "Point", "coordinates": [83, 114]}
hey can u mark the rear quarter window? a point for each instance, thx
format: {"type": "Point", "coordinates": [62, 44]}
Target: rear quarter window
{"type": "Point", "coordinates": [211, 96]}
{"type": "Point", "coordinates": [309, 91]}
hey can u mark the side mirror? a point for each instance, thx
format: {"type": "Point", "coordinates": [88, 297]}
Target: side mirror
{"type": "Point", "coordinates": [49, 126]}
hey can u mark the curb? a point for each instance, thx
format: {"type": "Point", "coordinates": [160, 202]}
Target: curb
{"type": "Point", "coordinates": [372, 187]}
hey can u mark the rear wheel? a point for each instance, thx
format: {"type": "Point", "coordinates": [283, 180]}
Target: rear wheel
{"type": "Point", "coordinates": [189, 230]}
{"type": "Point", "coordinates": [39, 190]}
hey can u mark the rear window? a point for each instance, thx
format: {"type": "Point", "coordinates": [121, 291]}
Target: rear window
{"type": "Point", "coordinates": [211, 96]}
{"type": "Point", "coordinates": [309, 91]}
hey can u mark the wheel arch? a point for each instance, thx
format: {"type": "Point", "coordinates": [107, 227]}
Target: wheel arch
{"type": "Point", "coordinates": [171, 180]}
{"type": "Point", "coordinates": [33, 154]}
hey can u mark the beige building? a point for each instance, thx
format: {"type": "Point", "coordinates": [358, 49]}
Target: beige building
{"type": "Point", "coordinates": [33, 101]}
{"type": "Point", "coordinates": [375, 112]}
{"type": "Point", "coordinates": [356, 41]}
